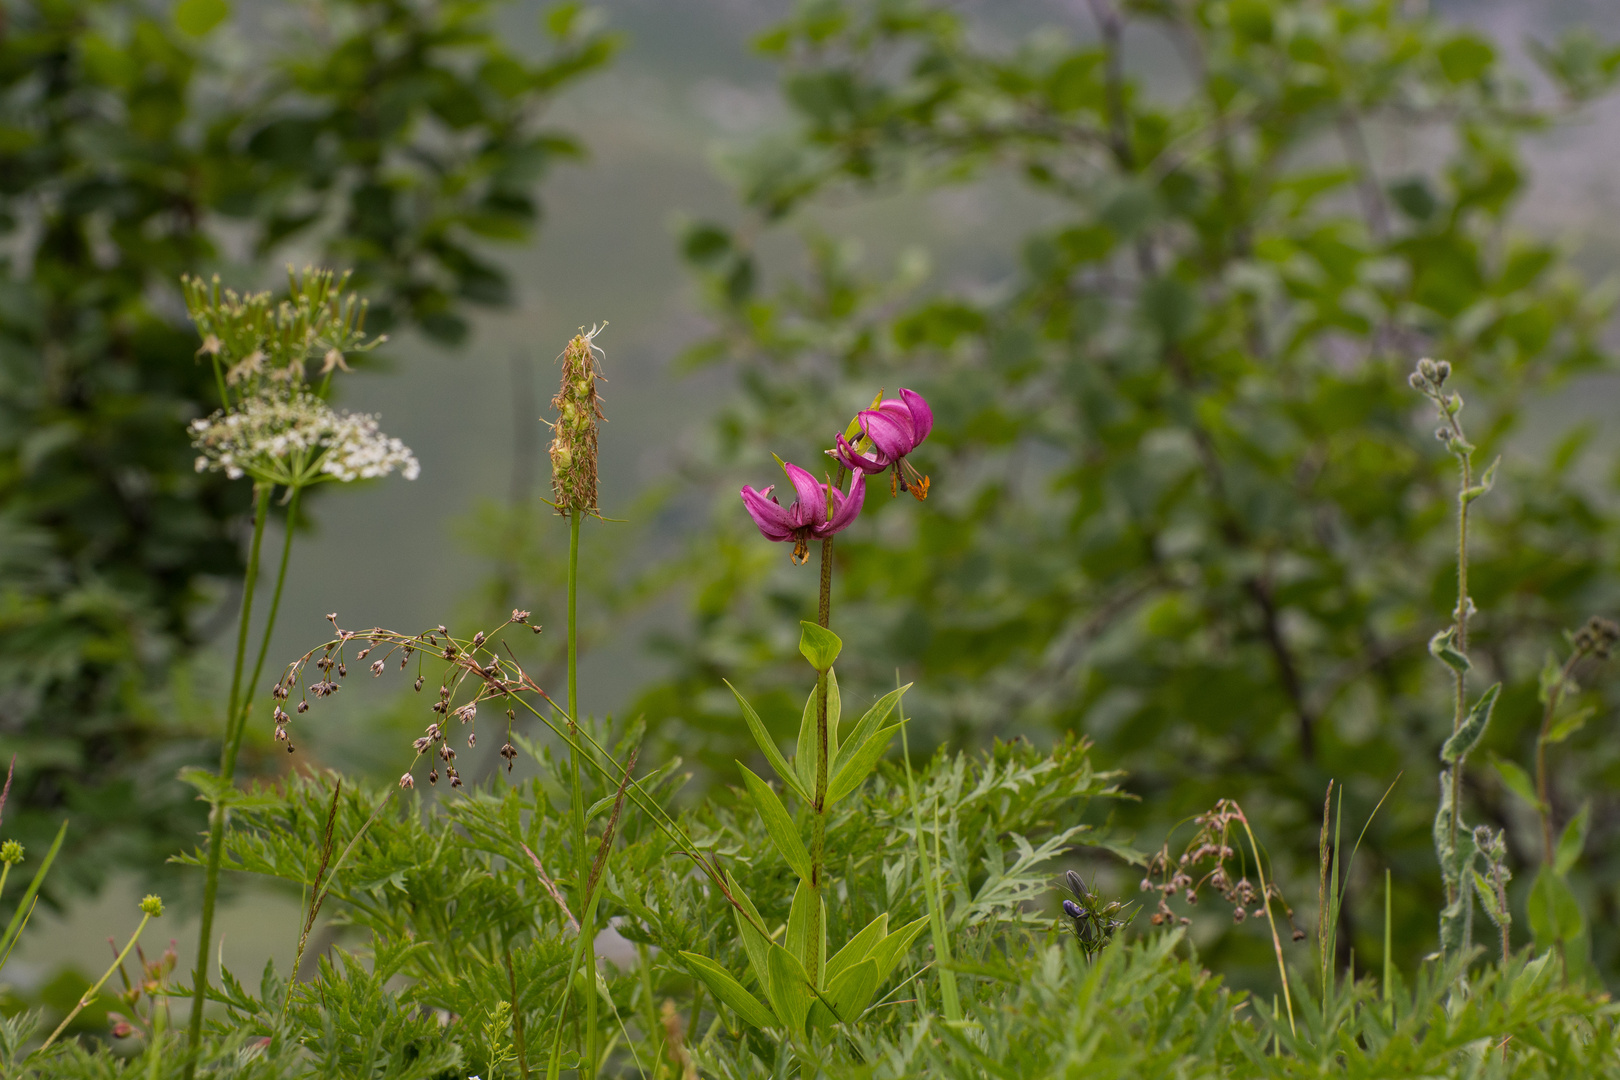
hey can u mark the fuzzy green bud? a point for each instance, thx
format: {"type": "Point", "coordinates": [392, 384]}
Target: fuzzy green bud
{"type": "Point", "coordinates": [11, 853]}
{"type": "Point", "coordinates": [152, 905]}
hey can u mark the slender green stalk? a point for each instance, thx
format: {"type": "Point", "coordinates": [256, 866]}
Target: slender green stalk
{"type": "Point", "coordinates": [1276, 942]}
{"type": "Point", "coordinates": [818, 817]}
{"type": "Point", "coordinates": [587, 909]}
{"type": "Point", "coordinates": [1543, 795]}
{"type": "Point", "coordinates": [936, 910]}
{"type": "Point", "coordinates": [227, 769]}
{"type": "Point", "coordinates": [148, 911]}
{"type": "Point", "coordinates": [1454, 881]}
{"type": "Point", "coordinates": [234, 740]}
{"type": "Point", "coordinates": [1389, 948]}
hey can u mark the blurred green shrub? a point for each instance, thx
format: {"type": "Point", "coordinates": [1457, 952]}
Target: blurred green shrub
{"type": "Point", "coordinates": [139, 142]}
{"type": "Point", "coordinates": [1180, 503]}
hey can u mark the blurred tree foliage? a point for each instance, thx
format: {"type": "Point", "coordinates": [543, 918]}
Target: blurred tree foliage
{"type": "Point", "coordinates": [1183, 500]}
{"type": "Point", "coordinates": [140, 141]}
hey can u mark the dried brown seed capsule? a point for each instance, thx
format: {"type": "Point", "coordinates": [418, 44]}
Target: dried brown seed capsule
{"type": "Point", "coordinates": [418, 683]}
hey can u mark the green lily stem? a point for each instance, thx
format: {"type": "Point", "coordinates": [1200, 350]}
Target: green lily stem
{"type": "Point", "coordinates": [227, 769]}
{"type": "Point", "coordinates": [90, 994]}
{"type": "Point", "coordinates": [587, 909]}
{"type": "Point", "coordinates": [818, 817]}
{"type": "Point", "coordinates": [936, 909]}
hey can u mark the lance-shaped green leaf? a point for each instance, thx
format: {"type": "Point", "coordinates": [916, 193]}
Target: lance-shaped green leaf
{"type": "Point", "coordinates": [1443, 647]}
{"type": "Point", "coordinates": [1453, 924]}
{"type": "Point", "coordinates": [728, 990]}
{"type": "Point", "coordinates": [1490, 901]}
{"type": "Point", "coordinates": [1443, 814]}
{"type": "Point", "coordinates": [1517, 780]}
{"type": "Point", "coordinates": [888, 952]}
{"type": "Point", "coordinates": [858, 947]}
{"type": "Point", "coordinates": [867, 724]}
{"type": "Point", "coordinates": [1572, 842]}
{"type": "Point", "coordinates": [25, 906]}
{"type": "Point", "coordinates": [1468, 735]}
{"type": "Point", "coordinates": [798, 930]}
{"type": "Point", "coordinates": [805, 757]}
{"type": "Point", "coordinates": [1568, 724]}
{"type": "Point", "coordinates": [755, 943]}
{"type": "Point", "coordinates": [1553, 911]}
{"type": "Point", "coordinates": [858, 766]}
{"type": "Point", "coordinates": [789, 989]}
{"type": "Point", "coordinates": [1485, 484]}
{"type": "Point", "coordinates": [779, 824]}
{"type": "Point", "coordinates": [768, 745]}
{"type": "Point", "coordinates": [849, 994]}
{"type": "Point", "coordinates": [819, 645]}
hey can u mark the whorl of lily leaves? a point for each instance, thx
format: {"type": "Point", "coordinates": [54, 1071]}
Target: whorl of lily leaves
{"type": "Point", "coordinates": [573, 438]}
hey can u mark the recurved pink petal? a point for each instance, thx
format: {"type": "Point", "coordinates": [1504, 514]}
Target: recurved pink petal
{"type": "Point", "coordinates": [891, 434]}
{"type": "Point", "coordinates": [812, 493]}
{"type": "Point", "coordinates": [851, 458]}
{"type": "Point", "coordinates": [846, 508]}
{"type": "Point", "coordinates": [922, 417]}
{"type": "Point", "coordinates": [775, 522]}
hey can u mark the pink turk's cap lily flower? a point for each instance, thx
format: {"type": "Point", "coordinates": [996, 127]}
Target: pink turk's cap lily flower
{"type": "Point", "coordinates": [807, 519]}
{"type": "Point", "coordinates": [893, 430]}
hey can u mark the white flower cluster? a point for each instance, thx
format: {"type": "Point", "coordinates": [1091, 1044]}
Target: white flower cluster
{"type": "Point", "coordinates": [357, 450]}
{"type": "Point", "coordinates": [297, 439]}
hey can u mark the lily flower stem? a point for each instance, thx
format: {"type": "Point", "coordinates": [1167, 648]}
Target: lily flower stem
{"type": "Point", "coordinates": [818, 834]}
{"type": "Point", "coordinates": [227, 769]}
{"type": "Point", "coordinates": [583, 858]}
{"type": "Point", "coordinates": [90, 994]}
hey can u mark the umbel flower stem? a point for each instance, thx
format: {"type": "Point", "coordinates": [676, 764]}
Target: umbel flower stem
{"type": "Point", "coordinates": [227, 769]}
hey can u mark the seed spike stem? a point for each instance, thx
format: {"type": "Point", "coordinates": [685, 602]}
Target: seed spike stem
{"type": "Point", "coordinates": [582, 857]}
{"type": "Point", "coordinates": [227, 769]}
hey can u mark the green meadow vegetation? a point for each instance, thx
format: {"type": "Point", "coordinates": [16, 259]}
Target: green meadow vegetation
{"type": "Point", "coordinates": [1185, 655]}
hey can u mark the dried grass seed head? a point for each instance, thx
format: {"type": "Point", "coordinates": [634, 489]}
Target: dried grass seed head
{"type": "Point", "coordinates": [573, 439]}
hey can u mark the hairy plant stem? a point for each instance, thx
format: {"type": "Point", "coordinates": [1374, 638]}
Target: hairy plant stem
{"type": "Point", "coordinates": [227, 770]}
{"type": "Point", "coordinates": [1543, 795]}
{"type": "Point", "coordinates": [583, 859]}
{"type": "Point", "coordinates": [1452, 878]}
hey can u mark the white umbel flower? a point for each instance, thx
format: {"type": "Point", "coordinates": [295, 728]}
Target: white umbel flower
{"type": "Point", "coordinates": [297, 440]}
